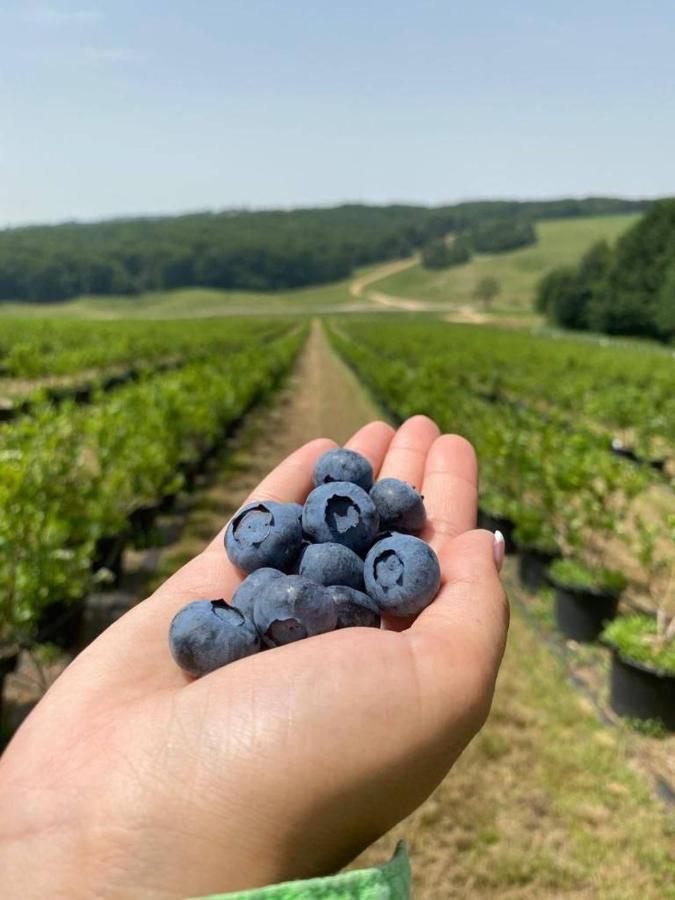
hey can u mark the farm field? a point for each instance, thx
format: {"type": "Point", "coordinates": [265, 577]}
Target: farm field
{"type": "Point", "coordinates": [550, 800]}
{"type": "Point", "coordinates": [561, 242]}
{"type": "Point", "coordinates": [75, 477]}
{"type": "Point", "coordinates": [372, 287]}
{"type": "Point", "coordinates": [542, 414]}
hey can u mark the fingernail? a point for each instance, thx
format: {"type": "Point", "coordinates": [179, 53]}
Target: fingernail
{"type": "Point", "coordinates": [498, 549]}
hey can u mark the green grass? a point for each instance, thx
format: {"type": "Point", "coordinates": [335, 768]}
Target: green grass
{"type": "Point", "coordinates": [560, 242]}
{"type": "Point", "coordinates": [195, 303]}
{"type": "Point", "coordinates": [544, 803]}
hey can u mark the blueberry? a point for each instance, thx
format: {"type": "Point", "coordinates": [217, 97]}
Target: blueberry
{"type": "Point", "coordinates": [353, 607]}
{"type": "Point", "coordinates": [341, 513]}
{"type": "Point", "coordinates": [292, 608]}
{"type": "Point", "coordinates": [400, 507]}
{"type": "Point", "coordinates": [402, 575]}
{"type": "Point", "coordinates": [332, 563]}
{"type": "Point", "coordinates": [298, 509]}
{"type": "Point", "coordinates": [208, 634]}
{"type": "Point", "coordinates": [264, 534]}
{"type": "Point", "coordinates": [343, 465]}
{"type": "Point", "coordinates": [244, 597]}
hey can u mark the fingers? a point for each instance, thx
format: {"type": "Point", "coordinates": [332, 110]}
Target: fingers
{"type": "Point", "coordinates": [372, 441]}
{"type": "Point", "coordinates": [407, 453]}
{"type": "Point", "coordinates": [450, 489]}
{"type": "Point", "coordinates": [459, 639]}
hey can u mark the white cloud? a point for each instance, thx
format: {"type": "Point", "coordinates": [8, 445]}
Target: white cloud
{"type": "Point", "coordinates": [50, 16]}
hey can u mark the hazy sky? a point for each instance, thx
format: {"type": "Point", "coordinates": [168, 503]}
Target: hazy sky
{"type": "Point", "coordinates": [146, 106]}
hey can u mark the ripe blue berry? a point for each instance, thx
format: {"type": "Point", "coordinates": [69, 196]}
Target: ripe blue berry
{"type": "Point", "coordinates": [402, 575]}
{"type": "Point", "coordinates": [354, 608]}
{"type": "Point", "coordinates": [208, 634]}
{"type": "Point", "coordinates": [400, 507]}
{"type": "Point", "coordinates": [298, 509]}
{"type": "Point", "coordinates": [264, 534]}
{"type": "Point", "coordinates": [244, 597]}
{"type": "Point", "coordinates": [332, 563]}
{"type": "Point", "coordinates": [291, 608]}
{"type": "Point", "coordinates": [341, 513]}
{"type": "Point", "coordinates": [343, 465]}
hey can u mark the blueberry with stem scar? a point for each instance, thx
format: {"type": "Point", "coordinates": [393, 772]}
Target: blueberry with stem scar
{"type": "Point", "coordinates": [264, 534]}
{"type": "Point", "coordinates": [341, 513]}
{"type": "Point", "coordinates": [402, 575]}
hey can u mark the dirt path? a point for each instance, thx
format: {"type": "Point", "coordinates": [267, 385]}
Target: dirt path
{"type": "Point", "coordinates": [321, 399]}
{"type": "Point", "coordinates": [358, 286]}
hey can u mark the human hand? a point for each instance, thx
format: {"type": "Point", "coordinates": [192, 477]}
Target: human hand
{"type": "Point", "coordinates": [130, 779]}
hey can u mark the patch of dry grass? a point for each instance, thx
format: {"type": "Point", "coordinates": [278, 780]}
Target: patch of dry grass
{"type": "Point", "coordinates": [544, 803]}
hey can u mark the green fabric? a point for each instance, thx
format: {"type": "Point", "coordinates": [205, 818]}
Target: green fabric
{"type": "Point", "coordinates": [388, 882]}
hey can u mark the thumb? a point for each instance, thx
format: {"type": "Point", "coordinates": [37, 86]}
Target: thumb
{"type": "Point", "coordinates": [459, 639]}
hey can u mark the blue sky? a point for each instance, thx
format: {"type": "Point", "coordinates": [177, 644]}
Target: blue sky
{"type": "Point", "coordinates": [122, 107]}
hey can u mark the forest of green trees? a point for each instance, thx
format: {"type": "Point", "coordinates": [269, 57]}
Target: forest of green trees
{"type": "Point", "coordinates": [628, 289]}
{"type": "Point", "coordinates": [487, 235]}
{"type": "Point", "coordinates": [265, 250]}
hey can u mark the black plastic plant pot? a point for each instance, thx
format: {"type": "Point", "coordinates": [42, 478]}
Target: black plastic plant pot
{"type": "Point", "coordinates": [619, 449]}
{"type": "Point", "coordinates": [8, 662]}
{"type": "Point", "coordinates": [582, 614]}
{"type": "Point", "coordinates": [108, 554]}
{"type": "Point", "coordinates": [9, 659]}
{"type": "Point", "coordinates": [533, 566]}
{"type": "Point", "coordinates": [659, 463]}
{"type": "Point", "coordinates": [60, 623]}
{"type": "Point", "coordinates": [7, 413]}
{"type": "Point", "coordinates": [639, 691]}
{"type": "Point", "coordinates": [83, 393]}
{"type": "Point", "coordinates": [167, 502]}
{"type": "Point", "coordinates": [498, 523]}
{"type": "Point", "coordinates": [143, 518]}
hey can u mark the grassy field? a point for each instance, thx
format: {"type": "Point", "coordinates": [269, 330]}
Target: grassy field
{"type": "Point", "coordinates": [560, 242]}
{"type": "Point", "coordinates": [196, 303]}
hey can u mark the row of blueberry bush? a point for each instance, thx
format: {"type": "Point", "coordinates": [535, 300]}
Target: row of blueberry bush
{"type": "Point", "coordinates": [37, 348]}
{"type": "Point", "coordinates": [71, 476]}
{"type": "Point", "coordinates": [550, 475]}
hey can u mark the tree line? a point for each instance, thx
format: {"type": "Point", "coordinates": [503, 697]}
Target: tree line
{"type": "Point", "coordinates": [489, 236]}
{"type": "Point", "coordinates": [243, 249]}
{"type": "Point", "coordinates": [628, 289]}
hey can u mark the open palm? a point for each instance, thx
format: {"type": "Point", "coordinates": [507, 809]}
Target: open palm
{"type": "Point", "coordinates": [129, 779]}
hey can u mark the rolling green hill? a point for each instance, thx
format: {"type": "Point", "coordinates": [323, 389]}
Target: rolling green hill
{"type": "Point", "coordinates": [561, 242]}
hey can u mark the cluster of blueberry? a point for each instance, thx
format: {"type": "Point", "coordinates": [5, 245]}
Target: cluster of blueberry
{"type": "Point", "coordinates": [343, 559]}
